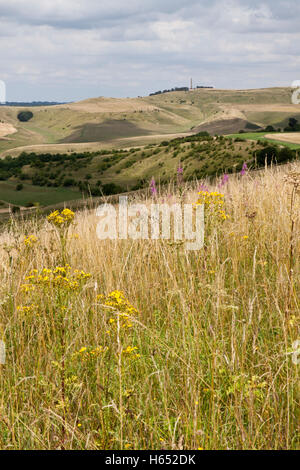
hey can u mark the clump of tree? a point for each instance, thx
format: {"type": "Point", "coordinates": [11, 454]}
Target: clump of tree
{"type": "Point", "coordinates": [293, 126]}
{"type": "Point", "coordinates": [274, 154]}
{"type": "Point", "coordinates": [111, 188]}
{"type": "Point", "coordinates": [25, 116]}
{"type": "Point", "coordinates": [183, 88]}
{"type": "Point", "coordinates": [270, 129]}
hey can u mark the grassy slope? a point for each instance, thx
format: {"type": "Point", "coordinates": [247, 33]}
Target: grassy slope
{"type": "Point", "coordinates": [161, 114]}
{"type": "Point", "coordinates": [131, 169]}
{"type": "Point", "coordinates": [126, 169]}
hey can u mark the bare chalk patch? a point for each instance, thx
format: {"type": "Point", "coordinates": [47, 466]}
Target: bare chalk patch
{"type": "Point", "coordinates": [6, 129]}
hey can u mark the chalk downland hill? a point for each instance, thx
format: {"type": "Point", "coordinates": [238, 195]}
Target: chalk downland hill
{"type": "Point", "coordinates": [106, 121]}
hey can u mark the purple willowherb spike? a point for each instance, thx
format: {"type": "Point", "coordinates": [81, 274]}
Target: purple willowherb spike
{"type": "Point", "coordinates": [153, 187]}
{"type": "Point", "coordinates": [179, 176]}
{"type": "Point", "coordinates": [244, 169]}
{"type": "Point", "coordinates": [224, 180]}
{"type": "Point", "coordinates": [203, 187]}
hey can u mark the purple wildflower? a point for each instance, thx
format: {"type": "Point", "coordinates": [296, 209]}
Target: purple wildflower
{"type": "Point", "coordinates": [203, 187]}
{"type": "Point", "coordinates": [153, 187]}
{"type": "Point", "coordinates": [179, 176]}
{"type": "Point", "coordinates": [224, 180]}
{"type": "Point", "coordinates": [244, 169]}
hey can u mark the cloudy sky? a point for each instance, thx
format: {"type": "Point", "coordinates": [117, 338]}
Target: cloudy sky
{"type": "Point", "coordinates": [73, 49]}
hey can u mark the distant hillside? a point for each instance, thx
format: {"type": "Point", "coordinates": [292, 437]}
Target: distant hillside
{"type": "Point", "coordinates": [106, 121]}
{"type": "Point", "coordinates": [31, 103]}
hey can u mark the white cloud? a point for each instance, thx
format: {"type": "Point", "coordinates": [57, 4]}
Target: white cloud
{"type": "Point", "coordinates": [70, 49]}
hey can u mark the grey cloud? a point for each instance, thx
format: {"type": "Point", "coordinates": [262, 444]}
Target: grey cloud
{"type": "Point", "coordinates": [85, 13]}
{"type": "Point", "coordinates": [86, 48]}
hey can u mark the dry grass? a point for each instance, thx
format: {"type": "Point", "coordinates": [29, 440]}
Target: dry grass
{"type": "Point", "coordinates": [292, 137]}
{"type": "Point", "coordinates": [110, 105]}
{"type": "Point", "coordinates": [213, 330]}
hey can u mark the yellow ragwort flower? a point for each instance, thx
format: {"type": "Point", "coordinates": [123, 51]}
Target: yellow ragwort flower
{"type": "Point", "coordinates": [213, 201]}
{"type": "Point", "coordinates": [30, 240]}
{"type": "Point", "coordinates": [61, 219]}
{"type": "Point", "coordinates": [117, 301]}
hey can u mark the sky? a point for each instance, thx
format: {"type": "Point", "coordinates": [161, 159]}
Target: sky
{"type": "Point", "coordinates": [67, 50]}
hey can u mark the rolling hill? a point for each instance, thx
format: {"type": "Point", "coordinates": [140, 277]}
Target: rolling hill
{"type": "Point", "coordinates": [107, 146]}
{"type": "Point", "coordinates": [110, 122]}
{"type": "Point", "coordinates": [51, 178]}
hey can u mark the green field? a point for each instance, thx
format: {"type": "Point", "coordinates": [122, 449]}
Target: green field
{"type": "Point", "coordinates": [261, 136]}
{"type": "Point", "coordinates": [34, 194]}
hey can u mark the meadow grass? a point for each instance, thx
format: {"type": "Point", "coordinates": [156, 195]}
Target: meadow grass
{"type": "Point", "coordinates": [249, 135]}
{"type": "Point", "coordinates": [149, 346]}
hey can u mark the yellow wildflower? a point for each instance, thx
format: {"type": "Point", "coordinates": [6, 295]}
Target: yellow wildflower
{"type": "Point", "coordinates": [61, 219]}
{"type": "Point", "coordinates": [26, 309]}
{"type": "Point", "coordinates": [213, 201]}
{"type": "Point", "coordinates": [60, 277]}
{"type": "Point", "coordinates": [30, 240]}
{"type": "Point", "coordinates": [130, 352]}
{"type": "Point", "coordinates": [117, 301]}
{"type": "Point", "coordinates": [89, 353]}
